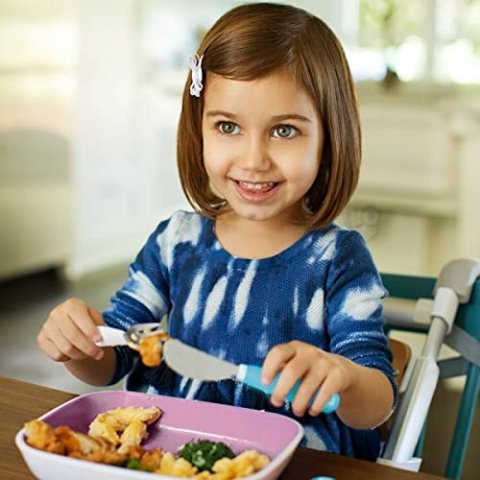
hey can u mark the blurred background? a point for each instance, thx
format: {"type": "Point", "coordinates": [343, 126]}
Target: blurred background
{"type": "Point", "coordinates": [89, 103]}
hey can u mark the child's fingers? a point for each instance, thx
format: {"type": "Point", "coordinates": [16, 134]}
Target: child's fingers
{"type": "Point", "coordinates": [66, 347]}
{"type": "Point", "coordinates": [70, 330]}
{"type": "Point", "coordinates": [98, 320]}
{"type": "Point", "coordinates": [49, 348]}
{"type": "Point", "coordinates": [310, 383]}
{"type": "Point", "coordinates": [85, 317]}
{"type": "Point", "coordinates": [293, 371]}
{"type": "Point", "coordinates": [329, 387]}
{"type": "Point", "coordinates": [276, 358]}
{"type": "Point", "coordinates": [74, 339]}
{"type": "Point", "coordinates": [60, 350]}
{"type": "Point", "coordinates": [61, 329]}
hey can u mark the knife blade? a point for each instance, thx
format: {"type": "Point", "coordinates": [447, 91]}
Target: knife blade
{"type": "Point", "coordinates": [193, 363]}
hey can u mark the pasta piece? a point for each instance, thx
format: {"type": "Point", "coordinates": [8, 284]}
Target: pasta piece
{"type": "Point", "coordinates": [178, 467]}
{"type": "Point", "coordinates": [123, 416]}
{"type": "Point", "coordinates": [133, 436]}
{"type": "Point", "coordinates": [104, 426]}
{"type": "Point", "coordinates": [109, 424]}
{"type": "Point", "coordinates": [247, 463]}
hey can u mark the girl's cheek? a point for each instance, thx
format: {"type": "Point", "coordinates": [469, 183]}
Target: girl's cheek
{"type": "Point", "coordinates": [218, 154]}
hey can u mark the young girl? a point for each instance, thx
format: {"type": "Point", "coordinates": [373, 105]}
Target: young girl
{"type": "Point", "coordinates": [268, 154]}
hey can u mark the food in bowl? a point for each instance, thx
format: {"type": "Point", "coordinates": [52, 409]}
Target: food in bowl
{"type": "Point", "coordinates": [124, 427]}
{"type": "Point", "coordinates": [115, 438]}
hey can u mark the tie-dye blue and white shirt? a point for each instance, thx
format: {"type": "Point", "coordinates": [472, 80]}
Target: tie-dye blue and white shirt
{"type": "Point", "coordinates": [323, 290]}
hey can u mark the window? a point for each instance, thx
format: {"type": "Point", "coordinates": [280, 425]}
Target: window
{"type": "Point", "coordinates": [435, 40]}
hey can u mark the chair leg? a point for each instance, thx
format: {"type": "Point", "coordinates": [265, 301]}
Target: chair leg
{"type": "Point", "coordinates": [463, 426]}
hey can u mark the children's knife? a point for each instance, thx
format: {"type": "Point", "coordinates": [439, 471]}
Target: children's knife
{"type": "Point", "coordinates": [193, 363]}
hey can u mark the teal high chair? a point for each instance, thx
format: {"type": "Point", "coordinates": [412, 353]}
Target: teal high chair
{"type": "Point", "coordinates": [447, 309]}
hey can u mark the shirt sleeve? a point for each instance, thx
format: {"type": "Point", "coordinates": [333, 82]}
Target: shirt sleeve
{"type": "Point", "coordinates": [354, 304]}
{"type": "Point", "coordinates": [143, 298]}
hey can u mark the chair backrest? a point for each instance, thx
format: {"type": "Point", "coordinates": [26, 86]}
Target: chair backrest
{"type": "Point", "coordinates": [464, 338]}
{"type": "Point", "coordinates": [402, 353]}
{"type": "Point", "coordinates": [401, 356]}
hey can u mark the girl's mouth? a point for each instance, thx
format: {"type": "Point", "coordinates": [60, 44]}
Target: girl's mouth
{"type": "Point", "coordinates": [256, 191]}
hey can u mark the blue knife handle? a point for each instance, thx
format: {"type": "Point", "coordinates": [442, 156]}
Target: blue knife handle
{"type": "Point", "coordinates": [253, 379]}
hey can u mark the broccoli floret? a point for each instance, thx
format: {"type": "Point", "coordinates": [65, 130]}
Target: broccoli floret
{"type": "Point", "coordinates": [203, 454]}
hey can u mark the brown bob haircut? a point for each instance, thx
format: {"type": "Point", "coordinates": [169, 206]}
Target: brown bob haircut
{"type": "Point", "coordinates": [253, 41]}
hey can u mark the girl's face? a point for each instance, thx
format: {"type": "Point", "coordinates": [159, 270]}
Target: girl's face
{"type": "Point", "coordinates": [261, 144]}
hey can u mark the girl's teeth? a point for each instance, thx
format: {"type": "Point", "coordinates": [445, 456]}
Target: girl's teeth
{"type": "Point", "coordinates": [257, 187]}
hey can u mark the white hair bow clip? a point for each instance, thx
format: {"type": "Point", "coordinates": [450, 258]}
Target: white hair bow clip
{"type": "Point", "coordinates": [195, 64]}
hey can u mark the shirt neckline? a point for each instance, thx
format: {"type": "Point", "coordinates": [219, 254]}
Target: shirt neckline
{"type": "Point", "coordinates": [240, 263]}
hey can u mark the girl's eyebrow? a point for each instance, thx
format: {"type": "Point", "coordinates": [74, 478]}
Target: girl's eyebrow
{"type": "Point", "coordinates": [221, 113]}
{"type": "Point", "coordinates": [276, 118]}
{"type": "Point", "coordinates": [291, 116]}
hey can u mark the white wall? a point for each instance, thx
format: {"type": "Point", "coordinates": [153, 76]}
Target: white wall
{"type": "Point", "coordinates": [421, 177]}
{"type": "Point", "coordinates": [120, 184]}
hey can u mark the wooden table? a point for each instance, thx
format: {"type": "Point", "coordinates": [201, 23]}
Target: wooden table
{"type": "Point", "coordinates": [21, 401]}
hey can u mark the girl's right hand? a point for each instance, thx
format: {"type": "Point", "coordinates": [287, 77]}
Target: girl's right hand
{"type": "Point", "coordinates": [70, 332]}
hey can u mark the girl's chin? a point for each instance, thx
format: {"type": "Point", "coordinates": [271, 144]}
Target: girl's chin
{"type": "Point", "coordinates": [255, 214]}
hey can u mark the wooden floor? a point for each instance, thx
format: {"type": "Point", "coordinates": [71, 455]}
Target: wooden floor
{"type": "Point", "coordinates": [25, 303]}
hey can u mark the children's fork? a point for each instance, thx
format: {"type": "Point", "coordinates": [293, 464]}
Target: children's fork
{"type": "Point", "coordinates": [112, 337]}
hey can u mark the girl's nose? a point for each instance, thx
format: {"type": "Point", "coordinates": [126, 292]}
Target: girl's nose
{"type": "Point", "coordinates": [255, 155]}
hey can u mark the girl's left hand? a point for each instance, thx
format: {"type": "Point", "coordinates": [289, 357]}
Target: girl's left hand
{"type": "Point", "coordinates": [317, 369]}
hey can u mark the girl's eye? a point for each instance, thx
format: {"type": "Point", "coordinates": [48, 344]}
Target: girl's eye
{"type": "Point", "coordinates": [228, 128]}
{"type": "Point", "coordinates": [285, 131]}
